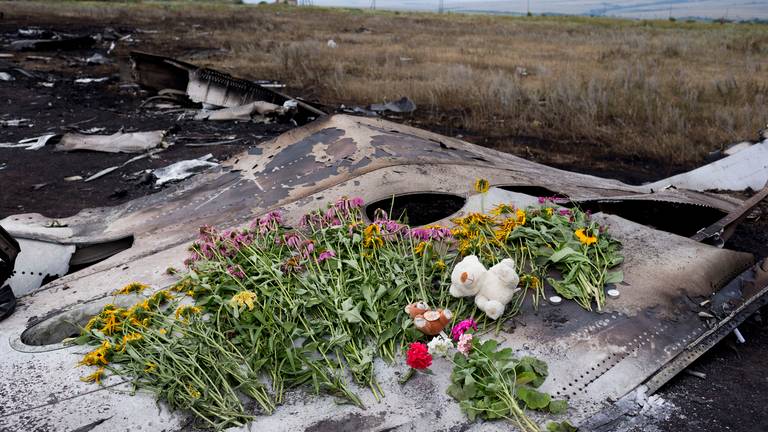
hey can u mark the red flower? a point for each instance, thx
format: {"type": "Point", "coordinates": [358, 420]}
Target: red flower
{"type": "Point", "coordinates": [418, 356]}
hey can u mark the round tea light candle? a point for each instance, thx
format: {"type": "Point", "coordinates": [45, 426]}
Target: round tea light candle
{"type": "Point", "coordinates": [555, 299]}
{"type": "Point", "coordinates": [613, 293]}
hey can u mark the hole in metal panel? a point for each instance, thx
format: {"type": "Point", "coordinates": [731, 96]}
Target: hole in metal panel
{"type": "Point", "coordinates": [532, 190]}
{"type": "Point", "coordinates": [677, 218]}
{"type": "Point", "coordinates": [417, 208]}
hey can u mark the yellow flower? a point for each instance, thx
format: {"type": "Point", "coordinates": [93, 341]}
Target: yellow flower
{"type": "Point", "coordinates": [94, 377]}
{"type": "Point", "coordinates": [584, 238]}
{"type": "Point", "coordinates": [440, 264]}
{"type": "Point", "coordinates": [111, 325]}
{"type": "Point", "coordinates": [550, 211]}
{"type": "Point", "coordinates": [150, 367]}
{"type": "Point", "coordinates": [520, 217]}
{"type": "Point", "coordinates": [190, 293]}
{"type": "Point", "coordinates": [193, 391]}
{"type": "Point", "coordinates": [243, 298]}
{"type": "Point", "coordinates": [97, 356]}
{"type": "Point", "coordinates": [92, 322]}
{"type": "Point", "coordinates": [185, 311]}
{"type": "Point", "coordinates": [419, 249]}
{"type": "Point", "coordinates": [130, 337]}
{"type": "Point", "coordinates": [505, 229]}
{"type": "Point", "coordinates": [182, 285]}
{"type": "Point", "coordinates": [163, 331]}
{"type": "Point", "coordinates": [482, 185]}
{"type": "Point", "coordinates": [502, 209]}
{"type": "Point", "coordinates": [161, 297]}
{"type": "Point", "coordinates": [372, 237]}
{"type": "Point", "coordinates": [133, 287]}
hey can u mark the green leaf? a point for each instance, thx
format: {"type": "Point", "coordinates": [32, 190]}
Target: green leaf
{"type": "Point", "coordinates": [560, 427]}
{"type": "Point", "coordinates": [614, 277]}
{"type": "Point", "coordinates": [558, 406]}
{"type": "Point", "coordinates": [525, 377]}
{"type": "Point", "coordinates": [562, 253]}
{"type": "Point", "coordinates": [538, 366]}
{"type": "Point", "coordinates": [533, 399]}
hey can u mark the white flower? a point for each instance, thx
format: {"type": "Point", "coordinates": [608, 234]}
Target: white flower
{"type": "Point", "coordinates": [440, 345]}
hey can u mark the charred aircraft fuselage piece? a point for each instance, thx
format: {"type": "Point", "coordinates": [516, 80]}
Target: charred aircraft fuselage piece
{"type": "Point", "coordinates": [644, 337]}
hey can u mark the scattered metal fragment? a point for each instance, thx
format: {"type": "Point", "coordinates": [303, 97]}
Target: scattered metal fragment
{"type": "Point", "coordinates": [119, 142]}
{"type": "Point", "coordinates": [739, 336]}
{"type": "Point", "coordinates": [73, 178]}
{"type": "Point", "coordinates": [555, 299]}
{"type": "Point", "coordinates": [97, 59]}
{"type": "Point", "coordinates": [61, 44]}
{"type": "Point", "coordinates": [106, 171]}
{"type": "Point", "coordinates": [214, 143]}
{"type": "Point", "coordinates": [15, 123]}
{"type": "Point", "coordinates": [182, 169]}
{"type": "Point", "coordinates": [5, 76]}
{"type": "Point", "coordinates": [102, 173]}
{"type": "Point", "coordinates": [707, 315]}
{"type": "Point", "coordinates": [747, 168]}
{"type": "Point", "coordinates": [403, 105]}
{"type": "Point", "coordinates": [256, 111]}
{"type": "Point", "coordinates": [697, 374]}
{"type": "Point", "coordinates": [208, 86]}
{"type": "Point", "coordinates": [91, 80]}
{"type": "Point", "coordinates": [39, 58]}
{"type": "Point", "coordinates": [613, 293]}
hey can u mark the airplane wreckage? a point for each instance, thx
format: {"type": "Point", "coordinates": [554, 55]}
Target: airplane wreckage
{"type": "Point", "coordinates": [682, 292]}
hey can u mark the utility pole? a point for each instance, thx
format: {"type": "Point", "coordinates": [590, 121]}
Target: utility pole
{"type": "Point", "coordinates": [373, 4]}
{"type": "Point", "coordinates": [440, 6]}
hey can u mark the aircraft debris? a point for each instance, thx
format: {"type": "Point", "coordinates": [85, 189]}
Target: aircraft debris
{"type": "Point", "coordinates": [182, 169]}
{"type": "Point", "coordinates": [73, 178]}
{"type": "Point", "coordinates": [91, 80]}
{"type": "Point", "coordinates": [402, 105]}
{"type": "Point", "coordinates": [16, 123]}
{"type": "Point", "coordinates": [119, 142]}
{"type": "Point", "coordinates": [332, 44]}
{"type": "Point", "coordinates": [97, 59]}
{"type": "Point", "coordinates": [55, 43]}
{"type": "Point", "coordinates": [5, 76]}
{"type": "Point", "coordinates": [739, 337]}
{"type": "Point", "coordinates": [209, 86]}
{"type": "Point", "coordinates": [106, 171]}
{"type": "Point", "coordinates": [746, 168]}
{"type": "Point", "coordinates": [35, 143]}
{"type": "Point", "coordinates": [258, 111]}
{"type": "Point", "coordinates": [9, 250]}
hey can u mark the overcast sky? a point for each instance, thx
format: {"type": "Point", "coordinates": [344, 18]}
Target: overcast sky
{"type": "Point", "coordinates": [732, 9]}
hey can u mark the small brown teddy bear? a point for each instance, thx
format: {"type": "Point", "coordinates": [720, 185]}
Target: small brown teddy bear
{"type": "Point", "coordinates": [430, 322]}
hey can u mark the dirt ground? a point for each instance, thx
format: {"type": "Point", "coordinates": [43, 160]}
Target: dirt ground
{"type": "Point", "coordinates": [731, 397]}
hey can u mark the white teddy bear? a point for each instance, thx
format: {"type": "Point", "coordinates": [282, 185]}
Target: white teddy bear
{"type": "Point", "coordinates": [492, 288]}
{"type": "Point", "coordinates": [465, 277]}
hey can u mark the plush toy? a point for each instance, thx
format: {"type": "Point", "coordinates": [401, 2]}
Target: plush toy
{"type": "Point", "coordinates": [497, 288]}
{"type": "Point", "coordinates": [429, 322]}
{"type": "Point", "coordinates": [492, 288]}
{"type": "Point", "coordinates": [465, 277]}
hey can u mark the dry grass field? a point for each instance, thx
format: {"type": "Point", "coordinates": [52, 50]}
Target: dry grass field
{"type": "Point", "coordinates": [657, 90]}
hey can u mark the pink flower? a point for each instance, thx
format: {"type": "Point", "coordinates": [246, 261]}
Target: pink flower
{"type": "Point", "coordinates": [307, 247]}
{"type": "Point", "coordinates": [459, 329]}
{"type": "Point", "coordinates": [292, 240]}
{"type": "Point", "coordinates": [430, 233]}
{"type": "Point", "coordinates": [326, 255]}
{"type": "Point", "coordinates": [269, 222]}
{"type": "Point", "coordinates": [465, 344]}
{"type": "Point", "coordinates": [236, 271]}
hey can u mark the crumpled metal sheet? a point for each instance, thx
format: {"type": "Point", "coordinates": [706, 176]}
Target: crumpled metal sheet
{"type": "Point", "coordinates": [119, 142]}
{"type": "Point", "coordinates": [594, 358]}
